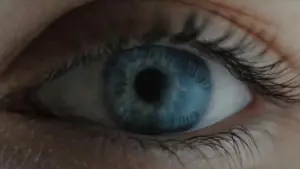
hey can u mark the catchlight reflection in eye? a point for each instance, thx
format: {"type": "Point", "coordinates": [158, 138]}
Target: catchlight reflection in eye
{"type": "Point", "coordinates": [149, 89]}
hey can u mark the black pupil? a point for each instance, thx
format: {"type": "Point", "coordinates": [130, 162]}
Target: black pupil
{"type": "Point", "coordinates": [149, 84]}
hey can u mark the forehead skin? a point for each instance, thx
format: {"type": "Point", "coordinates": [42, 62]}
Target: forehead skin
{"type": "Point", "coordinates": [22, 20]}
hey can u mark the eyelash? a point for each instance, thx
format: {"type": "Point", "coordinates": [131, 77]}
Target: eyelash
{"type": "Point", "coordinates": [214, 142]}
{"type": "Point", "coordinates": [260, 79]}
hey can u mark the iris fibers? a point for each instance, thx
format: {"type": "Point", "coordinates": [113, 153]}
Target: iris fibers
{"type": "Point", "coordinates": [157, 89]}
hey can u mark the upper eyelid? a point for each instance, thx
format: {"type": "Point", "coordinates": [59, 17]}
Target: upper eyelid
{"type": "Point", "coordinates": [229, 16]}
{"type": "Point", "coordinates": [34, 16]}
{"type": "Point", "coordinates": [259, 27]}
{"type": "Point", "coordinates": [224, 10]}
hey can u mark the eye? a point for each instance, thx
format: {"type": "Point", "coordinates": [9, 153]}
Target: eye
{"type": "Point", "coordinates": [187, 87]}
{"type": "Point", "coordinates": [149, 89]}
{"type": "Point", "coordinates": [177, 72]}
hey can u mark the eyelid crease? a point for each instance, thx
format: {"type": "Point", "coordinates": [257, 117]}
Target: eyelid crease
{"type": "Point", "coordinates": [34, 16]}
{"type": "Point", "coordinates": [231, 18]}
{"type": "Point", "coordinates": [257, 26]}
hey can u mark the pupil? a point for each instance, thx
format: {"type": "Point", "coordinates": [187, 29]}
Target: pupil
{"type": "Point", "coordinates": [149, 84]}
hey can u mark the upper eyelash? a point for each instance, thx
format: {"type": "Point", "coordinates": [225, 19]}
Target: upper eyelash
{"type": "Point", "coordinates": [259, 78]}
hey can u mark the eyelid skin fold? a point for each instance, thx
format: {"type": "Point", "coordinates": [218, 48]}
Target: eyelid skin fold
{"type": "Point", "coordinates": [257, 25]}
{"type": "Point", "coordinates": [242, 20]}
{"type": "Point", "coordinates": [262, 29]}
{"type": "Point", "coordinates": [33, 17]}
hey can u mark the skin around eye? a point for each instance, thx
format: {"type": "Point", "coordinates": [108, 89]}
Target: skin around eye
{"type": "Point", "coordinates": [44, 143]}
{"type": "Point", "coordinates": [15, 38]}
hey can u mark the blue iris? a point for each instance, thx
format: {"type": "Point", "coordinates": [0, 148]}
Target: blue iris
{"type": "Point", "coordinates": [157, 89]}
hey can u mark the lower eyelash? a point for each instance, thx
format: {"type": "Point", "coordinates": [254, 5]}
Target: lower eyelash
{"type": "Point", "coordinates": [229, 145]}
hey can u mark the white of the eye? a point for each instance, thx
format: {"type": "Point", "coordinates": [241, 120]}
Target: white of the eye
{"type": "Point", "coordinates": [78, 91]}
{"type": "Point", "coordinates": [229, 96]}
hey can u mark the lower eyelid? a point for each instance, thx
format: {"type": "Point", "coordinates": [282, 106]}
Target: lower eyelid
{"type": "Point", "coordinates": [165, 148]}
{"type": "Point", "coordinates": [47, 134]}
